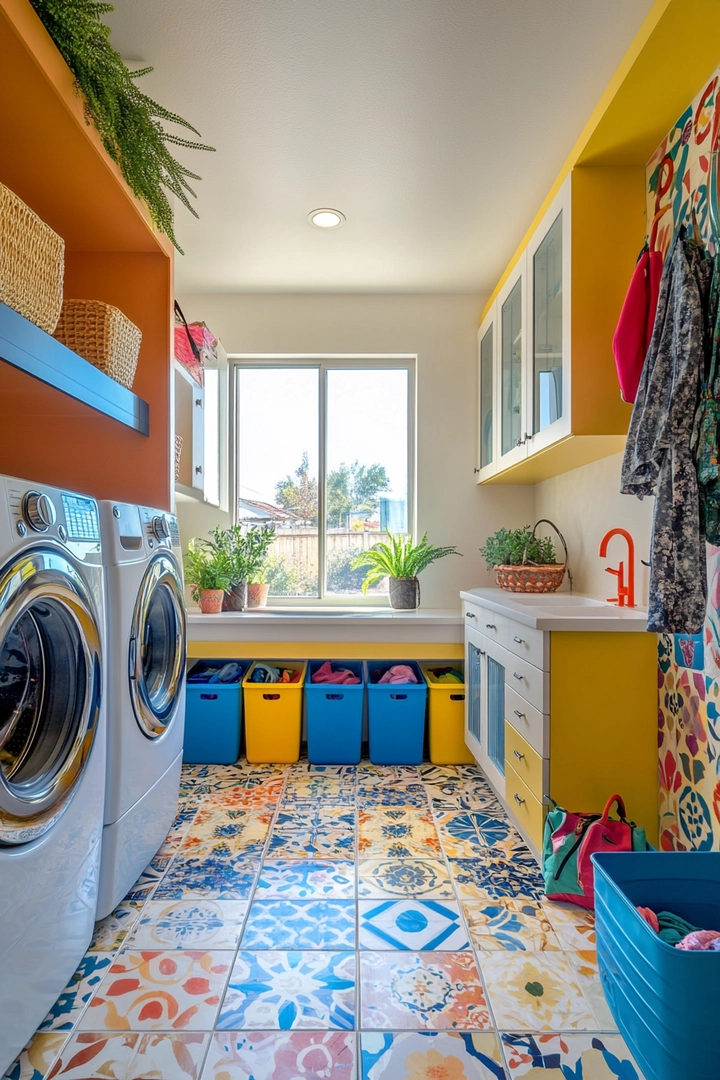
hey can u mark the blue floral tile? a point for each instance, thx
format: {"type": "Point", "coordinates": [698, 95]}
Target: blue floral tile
{"type": "Point", "coordinates": [494, 876]}
{"type": "Point", "coordinates": [431, 1055]}
{"type": "Point", "coordinates": [71, 1003]}
{"type": "Point", "coordinates": [305, 879]}
{"type": "Point", "coordinates": [219, 879]}
{"type": "Point", "coordinates": [140, 893]}
{"type": "Point", "coordinates": [306, 768]}
{"type": "Point", "coordinates": [427, 878]}
{"type": "Point", "coordinates": [471, 834]}
{"type": "Point", "coordinates": [300, 924]}
{"type": "Point", "coordinates": [309, 789]}
{"type": "Point", "coordinates": [417, 925]}
{"type": "Point", "coordinates": [428, 990]}
{"type": "Point", "coordinates": [111, 931]}
{"type": "Point", "coordinates": [392, 795]}
{"type": "Point", "coordinates": [284, 990]}
{"type": "Point", "coordinates": [510, 925]}
{"type": "Point", "coordinates": [324, 832]}
{"type": "Point", "coordinates": [459, 798]}
{"type": "Point", "coordinates": [578, 1057]}
{"type": "Point", "coordinates": [194, 923]}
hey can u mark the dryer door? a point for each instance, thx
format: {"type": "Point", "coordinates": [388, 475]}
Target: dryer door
{"type": "Point", "coordinates": [50, 671]}
{"type": "Point", "coordinates": [158, 646]}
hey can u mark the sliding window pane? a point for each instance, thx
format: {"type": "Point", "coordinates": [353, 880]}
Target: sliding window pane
{"type": "Point", "coordinates": [277, 484]}
{"type": "Point", "coordinates": [367, 468]}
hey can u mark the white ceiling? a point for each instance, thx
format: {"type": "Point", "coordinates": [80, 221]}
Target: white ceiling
{"type": "Point", "coordinates": [436, 126]}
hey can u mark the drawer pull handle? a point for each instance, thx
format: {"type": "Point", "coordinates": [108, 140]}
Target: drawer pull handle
{"type": "Point", "coordinates": [519, 640]}
{"type": "Point", "coordinates": [490, 626]}
{"type": "Point", "coordinates": [469, 615]}
{"type": "Point", "coordinates": [520, 715]}
{"type": "Point", "coordinates": [518, 800]}
{"type": "Point", "coordinates": [518, 755]}
{"type": "Point", "coordinates": [517, 675]}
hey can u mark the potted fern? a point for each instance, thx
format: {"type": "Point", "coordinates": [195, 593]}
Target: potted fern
{"type": "Point", "coordinates": [401, 561]}
{"type": "Point", "coordinates": [524, 561]}
{"type": "Point", "coordinates": [259, 541]}
{"type": "Point", "coordinates": [208, 573]}
{"type": "Point", "coordinates": [235, 545]}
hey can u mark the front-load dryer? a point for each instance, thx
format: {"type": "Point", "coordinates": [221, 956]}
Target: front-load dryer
{"type": "Point", "coordinates": [145, 690]}
{"type": "Point", "coordinates": [52, 747]}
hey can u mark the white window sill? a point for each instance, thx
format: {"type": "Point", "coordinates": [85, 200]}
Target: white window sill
{"type": "Point", "coordinates": [324, 615]}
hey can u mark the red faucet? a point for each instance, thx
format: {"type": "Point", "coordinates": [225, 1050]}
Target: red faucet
{"type": "Point", "coordinates": [626, 589]}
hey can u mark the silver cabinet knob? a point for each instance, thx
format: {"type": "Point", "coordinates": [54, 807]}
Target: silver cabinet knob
{"type": "Point", "coordinates": [490, 626]}
{"type": "Point", "coordinates": [520, 715]}
{"type": "Point", "coordinates": [469, 615]}
{"type": "Point", "coordinates": [39, 511]}
{"type": "Point", "coordinates": [518, 755]}
{"type": "Point", "coordinates": [517, 675]}
{"type": "Point", "coordinates": [519, 640]}
{"type": "Point", "coordinates": [518, 800]}
{"type": "Point", "coordinates": [160, 528]}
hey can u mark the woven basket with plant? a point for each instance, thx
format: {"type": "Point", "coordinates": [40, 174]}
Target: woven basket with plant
{"type": "Point", "coordinates": [523, 561]}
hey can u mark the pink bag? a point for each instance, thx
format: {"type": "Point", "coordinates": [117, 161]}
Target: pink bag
{"type": "Point", "coordinates": [635, 325]}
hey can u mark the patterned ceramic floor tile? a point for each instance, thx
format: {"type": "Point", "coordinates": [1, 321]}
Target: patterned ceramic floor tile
{"type": "Point", "coordinates": [585, 965]}
{"type": "Point", "coordinates": [398, 834]}
{"type": "Point", "coordinates": [438, 774]}
{"type": "Point", "coordinates": [535, 992]}
{"type": "Point", "coordinates": [510, 925]}
{"type": "Point", "coordinates": [209, 878]}
{"type": "Point", "coordinates": [386, 775]}
{"type": "Point", "coordinates": [459, 799]}
{"type": "Point", "coordinates": [255, 796]}
{"type": "Point", "coordinates": [67, 1009]}
{"type": "Point", "coordinates": [160, 991]}
{"type": "Point", "coordinates": [96, 1056]}
{"type": "Point", "coordinates": [281, 1055]}
{"type": "Point", "coordinates": [495, 876]}
{"type": "Point", "coordinates": [303, 879]}
{"type": "Point", "coordinates": [36, 1060]}
{"type": "Point", "coordinates": [432, 990]}
{"type": "Point", "coordinates": [226, 833]}
{"type": "Point", "coordinates": [431, 1055]}
{"type": "Point", "coordinates": [141, 893]}
{"type": "Point", "coordinates": [309, 789]}
{"type": "Point", "coordinates": [306, 768]}
{"type": "Point", "coordinates": [111, 931]}
{"type": "Point", "coordinates": [580, 1057]}
{"type": "Point", "coordinates": [472, 834]}
{"type": "Point", "coordinates": [426, 878]}
{"type": "Point", "coordinates": [189, 924]}
{"type": "Point", "coordinates": [326, 832]}
{"type": "Point", "coordinates": [415, 925]}
{"type": "Point", "coordinates": [574, 926]}
{"type": "Point", "coordinates": [392, 795]}
{"type": "Point", "coordinates": [300, 924]}
{"type": "Point", "coordinates": [284, 990]}
{"type": "Point", "coordinates": [168, 1057]}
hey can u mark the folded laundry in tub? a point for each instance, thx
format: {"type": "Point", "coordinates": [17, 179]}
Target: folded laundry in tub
{"type": "Point", "coordinates": [700, 941]}
{"type": "Point", "coordinates": [341, 676]}
{"type": "Point", "coordinates": [263, 673]}
{"type": "Point", "coordinates": [400, 673]}
{"type": "Point", "coordinates": [447, 675]}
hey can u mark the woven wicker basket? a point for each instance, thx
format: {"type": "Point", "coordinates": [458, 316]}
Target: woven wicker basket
{"type": "Point", "coordinates": [101, 334]}
{"type": "Point", "coordinates": [178, 452]}
{"type": "Point", "coordinates": [530, 579]}
{"type": "Point", "coordinates": [32, 263]}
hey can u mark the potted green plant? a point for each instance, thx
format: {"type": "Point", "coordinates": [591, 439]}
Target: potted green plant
{"type": "Point", "coordinates": [208, 574]}
{"type": "Point", "coordinates": [524, 561]}
{"type": "Point", "coordinates": [233, 543]}
{"type": "Point", "coordinates": [259, 540]}
{"type": "Point", "coordinates": [401, 561]}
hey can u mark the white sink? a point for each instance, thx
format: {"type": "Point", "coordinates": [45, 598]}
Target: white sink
{"type": "Point", "coordinates": [559, 611]}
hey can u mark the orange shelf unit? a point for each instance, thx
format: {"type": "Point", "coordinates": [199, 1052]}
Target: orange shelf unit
{"type": "Point", "coordinates": [56, 163]}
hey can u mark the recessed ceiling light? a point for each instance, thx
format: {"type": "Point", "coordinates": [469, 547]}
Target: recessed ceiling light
{"type": "Point", "coordinates": [325, 218]}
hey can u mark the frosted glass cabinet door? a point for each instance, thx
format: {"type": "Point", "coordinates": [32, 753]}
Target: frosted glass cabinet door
{"type": "Point", "coordinates": [511, 367]}
{"type": "Point", "coordinates": [547, 274]}
{"type": "Point", "coordinates": [487, 399]}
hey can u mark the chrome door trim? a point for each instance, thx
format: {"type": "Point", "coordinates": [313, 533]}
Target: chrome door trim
{"type": "Point", "coordinates": [46, 574]}
{"type": "Point", "coordinates": [155, 719]}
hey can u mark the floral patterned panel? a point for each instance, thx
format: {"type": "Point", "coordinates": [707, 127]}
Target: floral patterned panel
{"type": "Point", "coordinates": [404, 877]}
{"type": "Point", "coordinates": [422, 990]}
{"type": "Point", "coordinates": [575, 1057]}
{"type": "Point", "coordinates": [431, 1055]}
{"type": "Point", "coordinates": [281, 1055]}
{"type": "Point", "coordinates": [300, 924]}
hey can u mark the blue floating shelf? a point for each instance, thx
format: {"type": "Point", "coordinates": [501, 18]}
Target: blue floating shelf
{"type": "Point", "coordinates": [28, 348]}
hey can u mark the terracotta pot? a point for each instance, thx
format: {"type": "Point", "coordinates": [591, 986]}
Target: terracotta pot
{"type": "Point", "coordinates": [235, 599]}
{"type": "Point", "coordinates": [257, 594]}
{"type": "Point", "coordinates": [211, 601]}
{"type": "Point", "coordinates": [530, 579]}
{"type": "Point", "coordinates": [404, 593]}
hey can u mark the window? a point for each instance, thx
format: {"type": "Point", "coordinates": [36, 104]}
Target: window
{"type": "Point", "coordinates": [324, 454]}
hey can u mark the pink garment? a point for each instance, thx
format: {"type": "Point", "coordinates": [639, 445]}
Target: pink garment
{"type": "Point", "coordinates": [343, 676]}
{"type": "Point", "coordinates": [650, 917]}
{"type": "Point", "coordinates": [636, 322]}
{"type": "Point", "coordinates": [401, 673]}
{"type": "Point", "coordinates": [699, 941]}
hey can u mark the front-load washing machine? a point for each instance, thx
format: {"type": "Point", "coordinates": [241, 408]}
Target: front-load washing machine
{"type": "Point", "coordinates": [52, 747]}
{"type": "Point", "coordinates": [145, 690]}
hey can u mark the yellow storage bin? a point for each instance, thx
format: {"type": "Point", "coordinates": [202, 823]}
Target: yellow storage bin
{"type": "Point", "coordinates": [273, 715]}
{"type": "Point", "coordinates": [446, 715]}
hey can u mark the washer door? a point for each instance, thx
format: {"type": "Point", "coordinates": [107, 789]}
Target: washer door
{"type": "Point", "coordinates": [158, 647]}
{"type": "Point", "coordinates": [50, 686]}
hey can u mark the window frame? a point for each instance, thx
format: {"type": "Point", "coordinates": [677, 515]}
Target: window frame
{"type": "Point", "coordinates": [323, 363]}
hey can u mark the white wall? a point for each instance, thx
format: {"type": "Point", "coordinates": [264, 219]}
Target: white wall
{"type": "Point", "coordinates": [442, 331]}
{"type": "Point", "coordinates": [585, 504]}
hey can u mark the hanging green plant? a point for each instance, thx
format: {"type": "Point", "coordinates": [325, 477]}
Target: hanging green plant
{"type": "Point", "coordinates": [129, 123]}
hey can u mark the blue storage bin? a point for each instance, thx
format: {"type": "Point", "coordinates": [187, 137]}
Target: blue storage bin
{"type": "Point", "coordinates": [334, 715]}
{"type": "Point", "coordinates": [396, 716]}
{"type": "Point", "coordinates": [663, 999]}
{"type": "Point", "coordinates": [213, 714]}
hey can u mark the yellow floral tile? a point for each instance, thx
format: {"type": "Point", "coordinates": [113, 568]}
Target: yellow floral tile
{"type": "Point", "coordinates": [170, 1057]}
{"type": "Point", "coordinates": [431, 1055]}
{"type": "Point", "coordinates": [586, 967]}
{"type": "Point", "coordinates": [509, 924]}
{"type": "Point", "coordinates": [223, 833]}
{"type": "Point", "coordinates": [35, 1060]}
{"type": "Point", "coordinates": [266, 793]}
{"type": "Point", "coordinates": [110, 932]}
{"type": "Point", "coordinates": [311, 789]}
{"type": "Point", "coordinates": [574, 926]}
{"type": "Point", "coordinates": [397, 833]}
{"type": "Point", "coordinates": [536, 992]}
{"type": "Point", "coordinates": [95, 1056]}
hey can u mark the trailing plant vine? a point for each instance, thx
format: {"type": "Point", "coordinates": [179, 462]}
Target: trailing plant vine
{"type": "Point", "coordinates": [129, 122]}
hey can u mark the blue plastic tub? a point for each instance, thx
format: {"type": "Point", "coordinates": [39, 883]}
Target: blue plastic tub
{"type": "Point", "coordinates": [334, 715]}
{"type": "Point", "coordinates": [396, 716]}
{"type": "Point", "coordinates": [213, 714]}
{"type": "Point", "coordinates": [663, 999]}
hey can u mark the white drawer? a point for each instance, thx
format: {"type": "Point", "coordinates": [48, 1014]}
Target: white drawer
{"type": "Point", "coordinates": [529, 721]}
{"type": "Point", "coordinates": [492, 626]}
{"type": "Point", "coordinates": [532, 645]}
{"type": "Point", "coordinates": [529, 681]}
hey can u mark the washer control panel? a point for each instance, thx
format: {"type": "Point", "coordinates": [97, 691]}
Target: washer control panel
{"type": "Point", "coordinates": [81, 517]}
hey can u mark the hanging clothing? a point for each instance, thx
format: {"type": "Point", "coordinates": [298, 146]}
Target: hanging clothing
{"type": "Point", "coordinates": [637, 318]}
{"type": "Point", "coordinates": [658, 458]}
{"type": "Point", "coordinates": [706, 432]}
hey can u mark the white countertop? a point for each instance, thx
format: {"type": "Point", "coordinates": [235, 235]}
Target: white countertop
{"type": "Point", "coordinates": [341, 624]}
{"type": "Point", "coordinates": [325, 616]}
{"type": "Point", "coordinates": [560, 611]}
